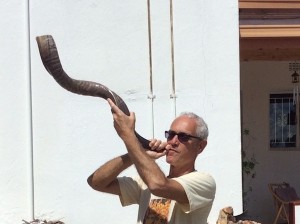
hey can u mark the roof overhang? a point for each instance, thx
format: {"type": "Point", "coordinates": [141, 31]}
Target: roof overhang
{"type": "Point", "coordinates": [269, 4]}
{"type": "Point", "coordinates": [269, 30]}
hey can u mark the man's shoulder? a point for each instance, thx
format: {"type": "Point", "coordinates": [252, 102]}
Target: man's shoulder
{"type": "Point", "coordinates": [198, 185]}
{"type": "Point", "coordinates": [197, 178]}
{"type": "Point", "coordinates": [198, 174]}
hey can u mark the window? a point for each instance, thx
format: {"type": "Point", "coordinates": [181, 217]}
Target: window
{"type": "Point", "coordinates": [283, 125]}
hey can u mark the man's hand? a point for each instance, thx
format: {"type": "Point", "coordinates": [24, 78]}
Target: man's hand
{"type": "Point", "coordinates": [124, 125]}
{"type": "Point", "coordinates": [158, 148]}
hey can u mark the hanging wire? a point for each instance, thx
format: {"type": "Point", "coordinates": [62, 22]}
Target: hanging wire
{"type": "Point", "coordinates": [151, 95]}
{"type": "Point", "coordinates": [173, 94]}
{"type": "Point", "coordinates": [150, 48]}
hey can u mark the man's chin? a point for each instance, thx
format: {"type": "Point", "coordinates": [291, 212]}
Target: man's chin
{"type": "Point", "coordinates": [169, 159]}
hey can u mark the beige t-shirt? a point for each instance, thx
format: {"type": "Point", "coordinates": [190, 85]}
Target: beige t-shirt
{"type": "Point", "coordinates": [199, 187]}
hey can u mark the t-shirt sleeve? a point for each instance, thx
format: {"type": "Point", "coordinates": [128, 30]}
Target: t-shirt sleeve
{"type": "Point", "coordinates": [130, 190]}
{"type": "Point", "coordinates": [200, 189]}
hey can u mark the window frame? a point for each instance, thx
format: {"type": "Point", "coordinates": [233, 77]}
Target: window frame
{"type": "Point", "coordinates": [293, 148]}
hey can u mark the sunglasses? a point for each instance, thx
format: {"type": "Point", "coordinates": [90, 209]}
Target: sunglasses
{"type": "Point", "coordinates": [182, 137]}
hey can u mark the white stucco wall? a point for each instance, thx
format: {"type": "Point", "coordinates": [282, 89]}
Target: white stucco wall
{"type": "Point", "coordinates": [107, 42]}
{"type": "Point", "coordinates": [15, 128]}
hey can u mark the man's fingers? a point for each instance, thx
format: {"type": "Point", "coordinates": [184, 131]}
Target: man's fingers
{"type": "Point", "coordinates": [113, 106]}
{"type": "Point", "coordinates": [116, 110]}
{"type": "Point", "coordinates": [157, 145]}
{"type": "Point", "coordinates": [110, 102]}
{"type": "Point", "coordinates": [132, 115]}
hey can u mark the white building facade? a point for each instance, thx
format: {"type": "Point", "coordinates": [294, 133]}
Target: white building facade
{"type": "Point", "coordinates": [52, 140]}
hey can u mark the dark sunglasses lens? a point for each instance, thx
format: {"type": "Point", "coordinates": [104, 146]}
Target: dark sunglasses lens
{"type": "Point", "coordinates": [169, 134]}
{"type": "Point", "coordinates": [183, 137]}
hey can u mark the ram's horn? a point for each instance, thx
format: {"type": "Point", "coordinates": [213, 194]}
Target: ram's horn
{"type": "Point", "coordinates": [51, 61]}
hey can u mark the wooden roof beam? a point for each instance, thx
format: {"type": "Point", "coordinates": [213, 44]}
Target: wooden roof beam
{"type": "Point", "coordinates": [269, 4]}
{"type": "Point", "coordinates": [270, 49]}
{"type": "Point", "coordinates": [267, 31]}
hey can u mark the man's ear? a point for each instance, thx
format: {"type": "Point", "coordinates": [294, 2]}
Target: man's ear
{"type": "Point", "coordinates": [202, 145]}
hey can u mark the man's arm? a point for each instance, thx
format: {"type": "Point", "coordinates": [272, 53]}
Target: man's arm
{"type": "Point", "coordinates": [147, 168]}
{"type": "Point", "coordinates": [105, 177]}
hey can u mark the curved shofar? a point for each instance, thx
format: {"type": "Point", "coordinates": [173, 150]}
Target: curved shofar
{"type": "Point", "coordinates": [51, 61]}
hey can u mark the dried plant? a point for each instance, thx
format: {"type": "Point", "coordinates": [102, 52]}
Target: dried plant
{"type": "Point", "coordinates": [37, 221]}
